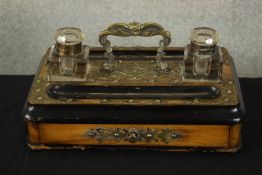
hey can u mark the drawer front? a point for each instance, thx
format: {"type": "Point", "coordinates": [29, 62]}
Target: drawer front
{"type": "Point", "coordinates": [137, 135]}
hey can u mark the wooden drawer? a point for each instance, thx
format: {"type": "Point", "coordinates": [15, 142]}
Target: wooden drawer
{"type": "Point", "coordinates": [219, 136]}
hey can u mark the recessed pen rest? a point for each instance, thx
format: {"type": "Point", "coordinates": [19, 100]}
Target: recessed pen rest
{"type": "Point", "coordinates": [62, 91]}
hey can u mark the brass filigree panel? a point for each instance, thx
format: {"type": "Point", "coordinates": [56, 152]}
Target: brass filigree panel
{"type": "Point", "coordinates": [133, 135]}
{"type": "Point", "coordinates": [138, 72]}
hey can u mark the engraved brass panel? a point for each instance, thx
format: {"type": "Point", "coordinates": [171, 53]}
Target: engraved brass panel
{"type": "Point", "coordinates": [138, 72]}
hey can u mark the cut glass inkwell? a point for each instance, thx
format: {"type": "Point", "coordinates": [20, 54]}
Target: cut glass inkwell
{"type": "Point", "coordinates": [203, 60]}
{"type": "Point", "coordinates": [68, 58]}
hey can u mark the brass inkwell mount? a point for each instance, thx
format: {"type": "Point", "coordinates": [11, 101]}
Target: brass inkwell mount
{"type": "Point", "coordinates": [73, 73]}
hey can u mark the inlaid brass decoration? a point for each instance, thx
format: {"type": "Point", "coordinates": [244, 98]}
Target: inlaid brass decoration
{"type": "Point", "coordinates": [131, 72]}
{"type": "Point", "coordinates": [133, 135]}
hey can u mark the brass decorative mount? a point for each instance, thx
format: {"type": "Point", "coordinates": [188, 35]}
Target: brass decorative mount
{"type": "Point", "coordinates": [133, 135]}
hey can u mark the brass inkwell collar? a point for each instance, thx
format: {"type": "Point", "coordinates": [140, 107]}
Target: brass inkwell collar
{"type": "Point", "coordinates": [204, 37]}
{"type": "Point", "coordinates": [68, 41]}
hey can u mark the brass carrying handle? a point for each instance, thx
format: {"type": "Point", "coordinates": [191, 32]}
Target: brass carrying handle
{"type": "Point", "coordinates": [135, 29]}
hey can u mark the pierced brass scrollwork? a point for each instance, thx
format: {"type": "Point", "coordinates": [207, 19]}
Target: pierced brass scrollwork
{"type": "Point", "coordinates": [133, 135]}
{"type": "Point", "coordinates": [135, 29]}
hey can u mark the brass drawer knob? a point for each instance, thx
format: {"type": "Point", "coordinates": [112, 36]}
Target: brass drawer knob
{"type": "Point", "coordinates": [133, 137]}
